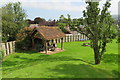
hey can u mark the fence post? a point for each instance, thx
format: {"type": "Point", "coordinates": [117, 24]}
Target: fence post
{"type": "Point", "coordinates": [10, 47]}
{"type": "Point", "coordinates": [4, 48]}
{"type": "Point", "coordinates": [57, 41]}
{"type": "Point", "coordinates": [54, 41]}
{"type": "Point", "coordinates": [81, 36]}
{"type": "Point", "coordinates": [85, 38]}
{"type": "Point", "coordinates": [13, 43]}
{"type": "Point", "coordinates": [69, 38]}
{"type": "Point", "coordinates": [7, 48]}
{"type": "Point", "coordinates": [66, 38]}
{"type": "Point", "coordinates": [75, 37]}
{"type": "Point", "coordinates": [60, 40]}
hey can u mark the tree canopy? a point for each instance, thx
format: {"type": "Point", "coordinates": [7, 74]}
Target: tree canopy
{"type": "Point", "coordinates": [64, 22]}
{"type": "Point", "coordinates": [13, 19]}
{"type": "Point", "coordinates": [38, 20]}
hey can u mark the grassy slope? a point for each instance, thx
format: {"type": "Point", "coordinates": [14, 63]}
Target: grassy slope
{"type": "Point", "coordinates": [75, 62]}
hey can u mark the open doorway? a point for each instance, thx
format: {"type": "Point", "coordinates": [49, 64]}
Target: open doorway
{"type": "Point", "coordinates": [39, 44]}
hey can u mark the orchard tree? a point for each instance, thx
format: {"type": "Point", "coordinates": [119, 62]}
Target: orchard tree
{"type": "Point", "coordinates": [99, 27]}
{"type": "Point", "coordinates": [13, 19]}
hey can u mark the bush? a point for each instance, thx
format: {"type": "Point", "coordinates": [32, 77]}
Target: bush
{"type": "Point", "coordinates": [1, 54]}
{"type": "Point", "coordinates": [24, 41]}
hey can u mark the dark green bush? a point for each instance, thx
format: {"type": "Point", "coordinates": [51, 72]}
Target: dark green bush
{"type": "Point", "coordinates": [24, 41]}
{"type": "Point", "coordinates": [25, 44]}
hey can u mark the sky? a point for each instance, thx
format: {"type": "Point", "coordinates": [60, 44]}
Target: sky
{"type": "Point", "coordinates": [52, 9]}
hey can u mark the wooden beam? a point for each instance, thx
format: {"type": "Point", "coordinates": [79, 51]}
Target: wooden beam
{"type": "Point", "coordinates": [46, 47]}
{"type": "Point", "coordinates": [61, 43]}
{"type": "Point", "coordinates": [33, 44]}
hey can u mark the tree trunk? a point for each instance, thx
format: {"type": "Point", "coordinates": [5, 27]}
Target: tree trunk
{"type": "Point", "coordinates": [103, 49]}
{"type": "Point", "coordinates": [96, 52]}
{"type": "Point", "coordinates": [96, 57]}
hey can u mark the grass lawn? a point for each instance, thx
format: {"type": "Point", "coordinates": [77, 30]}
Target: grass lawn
{"type": "Point", "coordinates": [75, 62]}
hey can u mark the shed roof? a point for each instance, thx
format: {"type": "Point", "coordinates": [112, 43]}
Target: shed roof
{"type": "Point", "coordinates": [49, 33]}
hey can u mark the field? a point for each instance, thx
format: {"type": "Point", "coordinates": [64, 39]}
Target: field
{"type": "Point", "coordinates": [75, 62]}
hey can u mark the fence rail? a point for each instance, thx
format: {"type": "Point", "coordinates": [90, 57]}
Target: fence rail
{"type": "Point", "coordinates": [8, 47]}
{"type": "Point", "coordinates": [72, 38]}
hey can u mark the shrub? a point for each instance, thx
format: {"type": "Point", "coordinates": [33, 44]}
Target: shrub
{"type": "Point", "coordinates": [1, 54]}
{"type": "Point", "coordinates": [24, 41]}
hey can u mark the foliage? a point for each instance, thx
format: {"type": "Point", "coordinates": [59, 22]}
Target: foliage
{"type": "Point", "coordinates": [13, 19]}
{"type": "Point", "coordinates": [77, 23]}
{"type": "Point", "coordinates": [38, 20]}
{"type": "Point", "coordinates": [42, 22]}
{"type": "Point", "coordinates": [1, 54]}
{"type": "Point", "coordinates": [62, 27]}
{"type": "Point", "coordinates": [24, 40]}
{"type": "Point", "coordinates": [64, 22]}
{"type": "Point", "coordinates": [75, 62]}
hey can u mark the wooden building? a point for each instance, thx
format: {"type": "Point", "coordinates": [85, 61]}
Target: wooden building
{"type": "Point", "coordinates": [43, 35]}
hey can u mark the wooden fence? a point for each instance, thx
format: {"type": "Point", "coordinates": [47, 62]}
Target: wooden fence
{"type": "Point", "coordinates": [8, 47]}
{"type": "Point", "coordinates": [72, 38]}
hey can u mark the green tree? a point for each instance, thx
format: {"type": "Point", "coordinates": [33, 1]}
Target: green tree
{"type": "Point", "coordinates": [68, 22]}
{"type": "Point", "coordinates": [77, 23]}
{"type": "Point", "coordinates": [62, 23]}
{"type": "Point", "coordinates": [99, 28]}
{"type": "Point", "coordinates": [65, 22]}
{"type": "Point", "coordinates": [13, 19]}
{"type": "Point", "coordinates": [38, 20]}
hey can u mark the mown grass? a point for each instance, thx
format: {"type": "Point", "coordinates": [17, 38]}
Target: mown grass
{"type": "Point", "coordinates": [75, 62]}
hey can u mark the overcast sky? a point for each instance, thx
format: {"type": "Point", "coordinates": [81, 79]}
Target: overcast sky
{"type": "Point", "coordinates": [52, 9]}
